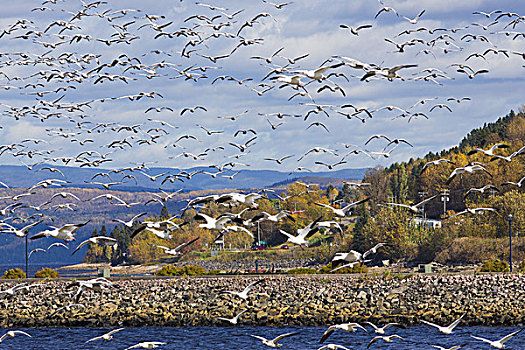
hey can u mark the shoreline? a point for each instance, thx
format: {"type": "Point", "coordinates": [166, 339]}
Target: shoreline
{"type": "Point", "coordinates": [314, 300]}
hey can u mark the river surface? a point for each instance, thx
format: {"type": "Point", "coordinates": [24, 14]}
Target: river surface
{"type": "Point", "coordinates": [33, 268]}
{"type": "Point", "coordinates": [237, 337]}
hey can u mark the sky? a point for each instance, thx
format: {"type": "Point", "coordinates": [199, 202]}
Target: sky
{"type": "Point", "coordinates": [299, 28]}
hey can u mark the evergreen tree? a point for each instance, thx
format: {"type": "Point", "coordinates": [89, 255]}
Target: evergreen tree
{"type": "Point", "coordinates": [358, 239]}
{"type": "Point", "coordinates": [164, 213]}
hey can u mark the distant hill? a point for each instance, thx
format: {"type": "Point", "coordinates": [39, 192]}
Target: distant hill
{"type": "Point", "coordinates": [20, 176]}
{"type": "Point", "coordinates": [323, 182]}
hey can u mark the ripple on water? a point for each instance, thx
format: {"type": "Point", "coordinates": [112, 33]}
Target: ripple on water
{"type": "Point", "coordinates": [233, 338]}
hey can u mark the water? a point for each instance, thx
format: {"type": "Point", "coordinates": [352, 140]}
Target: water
{"type": "Point", "coordinates": [232, 338]}
{"type": "Point", "coordinates": [33, 268]}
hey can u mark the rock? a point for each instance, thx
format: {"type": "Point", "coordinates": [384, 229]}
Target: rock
{"type": "Point", "coordinates": [281, 300]}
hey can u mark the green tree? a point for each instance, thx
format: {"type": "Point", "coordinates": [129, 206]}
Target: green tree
{"type": "Point", "coordinates": [395, 228]}
{"type": "Point", "coordinates": [401, 189]}
{"type": "Point", "coordinates": [164, 213]}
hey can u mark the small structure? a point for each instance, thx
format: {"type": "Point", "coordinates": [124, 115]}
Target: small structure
{"type": "Point", "coordinates": [427, 223]}
{"type": "Point", "coordinates": [219, 244]}
{"type": "Point", "coordinates": [425, 268]}
{"type": "Point", "coordinates": [104, 273]}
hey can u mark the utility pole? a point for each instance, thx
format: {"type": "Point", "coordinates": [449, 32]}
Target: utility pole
{"type": "Point", "coordinates": [510, 218]}
{"type": "Point", "coordinates": [445, 198]}
{"type": "Point", "coordinates": [27, 275]}
{"type": "Point", "coordinates": [422, 195]}
{"type": "Point", "coordinates": [258, 233]}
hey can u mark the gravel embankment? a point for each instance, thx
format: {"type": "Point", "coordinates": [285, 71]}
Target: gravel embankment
{"type": "Point", "coordinates": [280, 300]}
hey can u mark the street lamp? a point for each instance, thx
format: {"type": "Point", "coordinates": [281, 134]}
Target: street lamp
{"type": "Point", "coordinates": [510, 218]}
{"type": "Point", "coordinates": [27, 258]}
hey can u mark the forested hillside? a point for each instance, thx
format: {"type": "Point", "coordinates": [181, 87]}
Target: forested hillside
{"type": "Point", "coordinates": [470, 236]}
{"type": "Point", "coordinates": [403, 182]}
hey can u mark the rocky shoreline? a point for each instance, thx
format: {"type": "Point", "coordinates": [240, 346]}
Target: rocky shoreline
{"type": "Point", "coordinates": [487, 299]}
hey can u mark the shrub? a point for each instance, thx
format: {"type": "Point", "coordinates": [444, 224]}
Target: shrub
{"type": "Point", "coordinates": [301, 271]}
{"type": "Point", "coordinates": [495, 265]}
{"type": "Point", "coordinates": [473, 250]}
{"type": "Point", "coordinates": [193, 270]}
{"type": "Point", "coordinates": [169, 270]}
{"type": "Point", "coordinates": [188, 270]}
{"type": "Point", "coordinates": [12, 274]}
{"type": "Point", "coordinates": [46, 272]}
{"type": "Point", "coordinates": [521, 268]}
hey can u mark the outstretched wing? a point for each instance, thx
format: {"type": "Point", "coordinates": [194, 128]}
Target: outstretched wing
{"type": "Point", "coordinates": [425, 200]}
{"type": "Point", "coordinates": [324, 205]}
{"type": "Point", "coordinates": [80, 246]}
{"type": "Point", "coordinates": [482, 339]}
{"type": "Point", "coordinates": [185, 244]}
{"type": "Point", "coordinates": [138, 216]}
{"type": "Point", "coordinates": [161, 247]}
{"type": "Point", "coordinates": [352, 205]}
{"type": "Point", "coordinates": [286, 234]}
{"type": "Point", "coordinates": [115, 331]}
{"type": "Point", "coordinates": [93, 339]}
{"type": "Point", "coordinates": [373, 249]}
{"type": "Point", "coordinates": [327, 333]}
{"type": "Point", "coordinates": [253, 284]}
{"type": "Point", "coordinates": [456, 322]}
{"type": "Point", "coordinates": [22, 332]}
{"type": "Point", "coordinates": [507, 337]}
{"type": "Point", "coordinates": [39, 235]}
{"type": "Point", "coordinates": [284, 336]}
{"type": "Point", "coordinates": [257, 337]}
{"type": "Point", "coordinates": [349, 265]}
{"type": "Point", "coordinates": [430, 324]}
{"type": "Point", "coordinates": [373, 341]}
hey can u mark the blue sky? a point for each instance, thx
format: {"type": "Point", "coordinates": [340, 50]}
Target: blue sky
{"type": "Point", "coordinates": [302, 27]}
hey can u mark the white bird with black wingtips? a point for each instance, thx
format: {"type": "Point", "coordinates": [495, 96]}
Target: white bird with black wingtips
{"type": "Point", "coordinates": [273, 343]}
{"type": "Point", "coordinates": [107, 336]}
{"type": "Point", "coordinates": [347, 327]}
{"type": "Point", "coordinates": [498, 344]}
{"type": "Point", "coordinates": [108, 241]}
{"type": "Point", "coordinates": [445, 329]}
{"type": "Point", "coordinates": [233, 320]}
{"type": "Point", "coordinates": [343, 211]}
{"type": "Point", "coordinates": [12, 334]}
{"type": "Point", "coordinates": [244, 293]}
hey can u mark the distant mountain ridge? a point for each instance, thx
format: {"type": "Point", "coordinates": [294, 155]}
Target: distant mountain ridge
{"type": "Point", "coordinates": [20, 176]}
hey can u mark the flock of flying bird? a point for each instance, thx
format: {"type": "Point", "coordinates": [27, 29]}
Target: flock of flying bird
{"type": "Point", "coordinates": [90, 47]}
{"type": "Point", "coordinates": [55, 66]}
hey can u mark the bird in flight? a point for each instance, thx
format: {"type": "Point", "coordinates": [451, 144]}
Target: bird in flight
{"type": "Point", "coordinates": [273, 343]}
{"type": "Point", "coordinates": [12, 334]}
{"type": "Point", "coordinates": [347, 327]}
{"type": "Point", "coordinates": [244, 293]}
{"type": "Point", "coordinates": [343, 211]}
{"type": "Point", "coordinates": [445, 329]}
{"type": "Point", "coordinates": [355, 30]}
{"type": "Point", "coordinates": [233, 320]}
{"type": "Point", "coordinates": [500, 343]}
{"type": "Point", "coordinates": [107, 336]}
